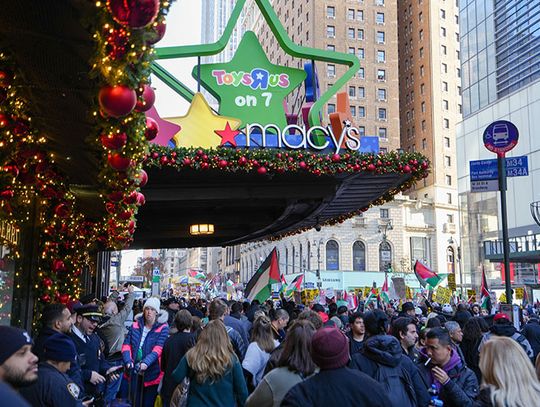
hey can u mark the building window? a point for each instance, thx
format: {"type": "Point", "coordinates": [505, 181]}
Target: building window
{"type": "Point", "coordinates": [381, 94]}
{"type": "Point", "coordinates": [380, 37]}
{"type": "Point", "coordinates": [383, 133]}
{"type": "Point", "coordinates": [422, 70]}
{"type": "Point", "coordinates": [352, 50]}
{"type": "Point", "coordinates": [331, 70]}
{"type": "Point", "coordinates": [421, 52]}
{"type": "Point", "coordinates": [423, 125]}
{"type": "Point", "coordinates": [361, 73]}
{"type": "Point", "coordinates": [449, 198]}
{"type": "Point", "coordinates": [350, 14]}
{"type": "Point", "coordinates": [424, 144]}
{"type": "Point", "coordinates": [446, 123]}
{"type": "Point", "coordinates": [421, 34]}
{"type": "Point", "coordinates": [330, 12]}
{"type": "Point", "coordinates": [331, 108]}
{"type": "Point", "coordinates": [457, 39]}
{"type": "Point", "coordinates": [423, 107]}
{"type": "Point", "coordinates": [445, 104]}
{"type": "Point", "coordinates": [420, 17]}
{"type": "Point", "coordinates": [385, 256]}
{"type": "Point", "coordinates": [361, 53]}
{"type": "Point", "coordinates": [360, 15]}
{"type": "Point", "coordinates": [361, 131]}
{"type": "Point", "coordinates": [351, 33]}
{"type": "Point", "coordinates": [381, 56]}
{"type": "Point", "coordinates": [444, 68]}
{"type": "Point", "coordinates": [449, 218]}
{"type": "Point", "coordinates": [443, 32]}
{"type": "Point", "coordinates": [445, 86]}
{"type": "Point", "coordinates": [448, 180]}
{"type": "Point", "coordinates": [447, 142]}
{"type": "Point", "coordinates": [359, 256]}
{"type": "Point", "coordinates": [330, 47]}
{"type": "Point", "coordinates": [381, 113]}
{"type": "Point", "coordinates": [422, 88]}
{"type": "Point", "coordinates": [361, 111]}
{"type": "Point", "coordinates": [447, 161]}
{"type": "Point", "coordinates": [352, 91]}
{"type": "Point", "coordinates": [353, 111]}
{"type": "Point", "coordinates": [443, 14]}
{"type": "Point", "coordinates": [330, 31]}
{"type": "Point", "coordinates": [443, 49]}
{"type": "Point", "coordinates": [383, 150]}
{"type": "Point", "coordinates": [384, 213]}
{"type": "Point", "coordinates": [360, 34]}
{"type": "Point", "coordinates": [420, 250]}
{"type": "Point", "coordinates": [379, 2]}
{"type": "Point", "coordinates": [361, 92]}
{"type": "Point", "coordinates": [332, 255]}
{"type": "Point", "coordinates": [458, 72]}
{"type": "Point", "coordinates": [381, 75]}
{"type": "Point", "coordinates": [379, 18]}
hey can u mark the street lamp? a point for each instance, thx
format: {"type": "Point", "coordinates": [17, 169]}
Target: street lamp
{"type": "Point", "coordinates": [384, 228]}
{"type": "Point", "coordinates": [318, 244]}
{"type": "Point", "coordinates": [453, 243]}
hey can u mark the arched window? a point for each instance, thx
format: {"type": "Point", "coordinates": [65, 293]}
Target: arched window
{"type": "Point", "coordinates": [332, 255]}
{"type": "Point", "coordinates": [359, 256]}
{"type": "Point", "coordinates": [450, 259]}
{"type": "Point", "coordinates": [385, 256]}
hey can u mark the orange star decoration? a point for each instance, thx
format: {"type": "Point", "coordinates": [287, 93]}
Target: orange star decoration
{"type": "Point", "coordinates": [227, 135]}
{"type": "Point", "coordinates": [200, 125]}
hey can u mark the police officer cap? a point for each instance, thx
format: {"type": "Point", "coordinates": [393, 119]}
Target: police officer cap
{"type": "Point", "coordinates": [90, 312]}
{"type": "Point", "coordinates": [60, 348]}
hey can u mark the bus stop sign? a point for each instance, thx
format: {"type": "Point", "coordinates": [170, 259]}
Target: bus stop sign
{"type": "Point", "coordinates": [501, 136]}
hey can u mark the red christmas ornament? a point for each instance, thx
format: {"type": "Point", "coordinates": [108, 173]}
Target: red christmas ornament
{"type": "Point", "coordinates": [45, 298]}
{"type": "Point", "coordinates": [146, 99]}
{"type": "Point", "coordinates": [152, 129]}
{"type": "Point", "coordinates": [131, 198]}
{"type": "Point", "coordinates": [47, 282]}
{"type": "Point", "coordinates": [116, 196]}
{"type": "Point", "coordinates": [58, 265]}
{"type": "Point", "coordinates": [134, 13]}
{"type": "Point", "coordinates": [424, 165]}
{"type": "Point", "coordinates": [141, 178]}
{"type": "Point", "coordinates": [114, 141]}
{"type": "Point", "coordinates": [117, 101]}
{"type": "Point", "coordinates": [336, 158]}
{"type": "Point", "coordinates": [125, 215]}
{"type": "Point", "coordinates": [242, 160]}
{"type": "Point", "coordinates": [157, 32]}
{"type": "Point", "coordinates": [406, 169]}
{"type": "Point", "coordinates": [12, 169]}
{"type": "Point", "coordinates": [63, 298]}
{"type": "Point", "coordinates": [6, 194]}
{"type": "Point", "coordinates": [118, 161]}
{"type": "Point", "coordinates": [110, 207]}
{"type": "Point", "coordinates": [5, 79]}
{"type": "Point", "coordinates": [131, 226]}
{"type": "Point", "coordinates": [223, 164]}
{"type": "Point", "coordinates": [186, 161]}
{"type": "Point", "coordinates": [117, 42]}
{"type": "Point", "coordinates": [302, 165]}
{"type": "Point", "coordinates": [262, 170]}
{"type": "Point", "coordinates": [62, 210]}
{"type": "Point", "coordinates": [4, 120]}
{"type": "Point", "coordinates": [204, 166]}
{"type": "Point", "coordinates": [371, 167]}
{"type": "Point", "coordinates": [164, 160]}
{"type": "Point", "coordinates": [141, 200]}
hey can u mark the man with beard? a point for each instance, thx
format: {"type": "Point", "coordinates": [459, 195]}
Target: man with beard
{"type": "Point", "coordinates": [18, 365]}
{"type": "Point", "coordinates": [404, 330]}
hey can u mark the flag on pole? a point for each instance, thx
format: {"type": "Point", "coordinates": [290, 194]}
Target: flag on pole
{"type": "Point", "coordinates": [384, 291]}
{"type": "Point", "coordinates": [283, 283]}
{"type": "Point", "coordinates": [295, 286]}
{"type": "Point", "coordinates": [372, 296]}
{"type": "Point", "coordinates": [259, 286]}
{"type": "Point", "coordinates": [484, 292]}
{"type": "Point", "coordinates": [425, 276]}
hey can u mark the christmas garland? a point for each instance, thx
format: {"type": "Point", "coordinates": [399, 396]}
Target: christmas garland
{"type": "Point", "coordinates": [269, 161]}
{"type": "Point", "coordinates": [125, 32]}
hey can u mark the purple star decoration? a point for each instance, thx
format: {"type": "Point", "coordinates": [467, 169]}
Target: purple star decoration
{"type": "Point", "coordinates": [167, 130]}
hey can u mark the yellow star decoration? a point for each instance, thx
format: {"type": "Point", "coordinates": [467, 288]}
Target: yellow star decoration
{"type": "Point", "coordinates": [199, 124]}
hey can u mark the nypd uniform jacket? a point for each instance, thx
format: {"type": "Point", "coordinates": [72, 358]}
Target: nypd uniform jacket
{"type": "Point", "coordinates": [52, 389]}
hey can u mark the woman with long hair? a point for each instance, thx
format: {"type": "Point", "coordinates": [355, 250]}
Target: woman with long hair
{"type": "Point", "coordinates": [213, 370]}
{"type": "Point", "coordinates": [509, 379]}
{"type": "Point", "coordinates": [472, 336]}
{"type": "Point", "coordinates": [294, 365]}
{"type": "Point", "coordinates": [258, 351]}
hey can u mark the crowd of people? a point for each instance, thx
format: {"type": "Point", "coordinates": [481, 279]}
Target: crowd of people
{"type": "Point", "coordinates": [177, 352]}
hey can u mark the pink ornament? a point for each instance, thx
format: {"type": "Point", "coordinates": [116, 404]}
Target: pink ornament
{"type": "Point", "coordinates": [157, 32]}
{"type": "Point", "coordinates": [146, 99]}
{"type": "Point", "coordinates": [142, 178]}
{"type": "Point", "coordinates": [117, 101]}
{"type": "Point", "coordinates": [262, 170]}
{"type": "Point", "coordinates": [152, 129]}
{"type": "Point", "coordinates": [134, 13]}
{"type": "Point", "coordinates": [116, 196]}
{"type": "Point", "coordinates": [141, 200]}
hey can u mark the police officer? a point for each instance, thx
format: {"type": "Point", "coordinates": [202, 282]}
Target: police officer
{"type": "Point", "coordinates": [54, 387]}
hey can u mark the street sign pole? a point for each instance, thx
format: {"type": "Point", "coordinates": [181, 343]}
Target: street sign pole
{"type": "Point", "coordinates": [501, 161]}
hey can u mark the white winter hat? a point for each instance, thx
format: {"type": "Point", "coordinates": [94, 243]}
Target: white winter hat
{"type": "Point", "coordinates": [152, 302]}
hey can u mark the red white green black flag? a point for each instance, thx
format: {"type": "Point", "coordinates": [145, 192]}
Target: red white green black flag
{"type": "Point", "coordinates": [260, 285]}
{"type": "Point", "coordinates": [425, 276]}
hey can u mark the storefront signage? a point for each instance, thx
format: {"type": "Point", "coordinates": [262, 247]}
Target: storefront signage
{"type": "Point", "coordinates": [9, 233]}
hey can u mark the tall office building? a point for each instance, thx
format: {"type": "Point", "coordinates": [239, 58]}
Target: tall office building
{"type": "Point", "coordinates": [430, 108]}
{"type": "Point", "coordinates": [500, 42]}
{"type": "Point", "coordinates": [214, 18]}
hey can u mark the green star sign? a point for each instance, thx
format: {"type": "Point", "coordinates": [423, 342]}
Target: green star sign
{"type": "Point", "coordinates": [283, 39]}
{"type": "Point", "coordinates": [249, 87]}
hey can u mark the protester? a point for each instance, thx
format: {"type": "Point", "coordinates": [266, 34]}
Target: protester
{"type": "Point", "coordinates": [509, 379]}
{"type": "Point", "coordinates": [217, 310]}
{"type": "Point", "coordinates": [174, 350]}
{"type": "Point", "coordinates": [502, 326]}
{"type": "Point", "coordinates": [462, 315]}
{"type": "Point", "coordinates": [237, 325]}
{"type": "Point", "coordinates": [311, 316]}
{"type": "Point", "coordinates": [357, 332]}
{"type": "Point", "coordinates": [142, 350]}
{"type": "Point", "coordinates": [214, 371]}
{"type": "Point", "coordinates": [335, 384]}
{"type": "Point", "coordinates": [280, 319]}
{"type": "Point", "coordinates": [472, 336]}
{"type": "Point", "coordinates": [54, 388]}
{"type": "Point", "coordinates": [294, 365]}
{"type": "Point", "coordinates": [343, 315]}
{"type": "Point", "coordinates": [407, 310]}
{"type": "Point", "coordinates": [382, 359]}
{"type": "Point", "coordinates": [404, 330]}
{"type": "Point", "coordinates": [456, 384]}
{"type": "Point", "coordinates": [172, 308]}
{"type": "Point", "coordinates": [18, 365]}
{"type": "Point", "coordinates": [237, 311]}
{"type": "Point", "coordinates": [94, 367]}
{"type": "Point", "coordinates": [456, 335]}
{"type": "Point", "coordinates": [258, 351]}
{"type": "Point", "coordinates": [531, 331]}
{"type": "Point", "coordinates": [112, 331]}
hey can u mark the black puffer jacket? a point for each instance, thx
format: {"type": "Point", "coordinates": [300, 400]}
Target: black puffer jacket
{"type": "Point", "coordinates": [509, 331]}
{"type": "Point", "coordinates": [386, 350]}
{"type": "Point", "coordinates": [460, 391]}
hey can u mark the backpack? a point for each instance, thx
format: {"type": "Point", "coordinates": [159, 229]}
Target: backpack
{"type": "Point", "coordinates": [397, 384]}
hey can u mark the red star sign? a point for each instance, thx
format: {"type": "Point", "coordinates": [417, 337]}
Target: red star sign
{"type": "Point", "coordinates": [227, 135]}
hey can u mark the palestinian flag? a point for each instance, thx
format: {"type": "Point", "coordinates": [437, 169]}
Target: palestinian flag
{"type": "Point", "coordinates": [295, 286]}
{"type": "Point", "coordinates": [373, 296]}
{"type": "Point", "coordinates": [484, 292]}
{"type": "Point", "coordinates": [425, 276]}
{"type": "Point", "coordinates": [260, 285]}
{"type": "Point", "coordinates": [283, 283]}
{"type": "Point", "coordinates": [384, 291]}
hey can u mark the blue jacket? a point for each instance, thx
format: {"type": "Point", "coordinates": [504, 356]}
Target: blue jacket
{"type": "Point", "coordinates": [151, 349]}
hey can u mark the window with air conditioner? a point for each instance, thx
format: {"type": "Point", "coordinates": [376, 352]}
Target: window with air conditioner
{"type": "Point", "coordinates": [381, 75]}
{"type": "Point", "coordinates": [383, 132]}
{"type": "Point", "coordinates": [330, 31]}
{"type": "Point", "coordinates": [331, 70]}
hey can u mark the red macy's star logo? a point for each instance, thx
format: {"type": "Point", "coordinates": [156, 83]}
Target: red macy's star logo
{"type": "Point", "coordinates": [227, 135]}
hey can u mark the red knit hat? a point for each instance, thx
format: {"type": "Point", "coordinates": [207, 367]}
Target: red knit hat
{"type": "Point", "coordinates": [330, 348]}
{"type": "Point", "coordinates": [499, 316]}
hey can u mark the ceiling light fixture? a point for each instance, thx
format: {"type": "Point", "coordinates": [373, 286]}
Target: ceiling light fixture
{"type": "Point", "coordinates": [202, 229]}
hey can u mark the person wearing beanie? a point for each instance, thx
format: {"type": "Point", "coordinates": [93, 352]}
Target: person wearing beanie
{"type": "Point", "coordinates": [142, 349]}
{"type": "Point", "coordinates": [335, 384]}
{"type": "Point", "coordinates": [94, 367]}
{"type": "Point", "coordinates": [502, 326]}
{"type": "Point", "coordinates": [54, 387]}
